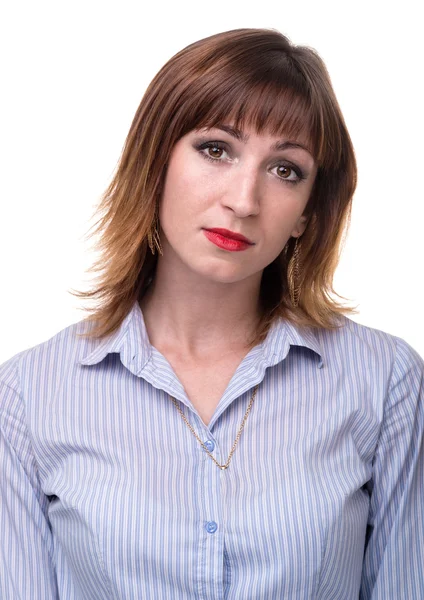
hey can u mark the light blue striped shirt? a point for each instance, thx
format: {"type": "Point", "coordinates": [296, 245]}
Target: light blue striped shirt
{"type": "Point", "coordinates": [105, 492]}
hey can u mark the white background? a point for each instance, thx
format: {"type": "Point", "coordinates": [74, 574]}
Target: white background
{"type": "Point", "coordinates": [73, 74]}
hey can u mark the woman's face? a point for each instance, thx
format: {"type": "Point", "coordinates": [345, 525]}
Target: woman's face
{"type": "Point", "coordinates": [218, 179]}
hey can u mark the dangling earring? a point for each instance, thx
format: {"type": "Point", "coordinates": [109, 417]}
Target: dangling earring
{"type": "Point", "coordinates": [153, 236]}
{"type": "Point", "coordinates": [293, 276]}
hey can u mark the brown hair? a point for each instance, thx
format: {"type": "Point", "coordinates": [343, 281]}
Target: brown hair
{"type": "Point", "coordinates": [247, 76]}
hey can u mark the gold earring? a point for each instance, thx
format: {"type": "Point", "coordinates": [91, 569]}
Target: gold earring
{"type": "Point", "coordinates": [153, 236]}
{"type": "Point", "coordinates": [293, 276]}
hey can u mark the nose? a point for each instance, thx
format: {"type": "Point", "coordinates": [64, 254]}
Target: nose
{"type": "Point", "coordinates": [242, 192]}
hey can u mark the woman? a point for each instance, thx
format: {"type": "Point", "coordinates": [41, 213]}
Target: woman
{"type": "Point", "coordinates": [218, 427]}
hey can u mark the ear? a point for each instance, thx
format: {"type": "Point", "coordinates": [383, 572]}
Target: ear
{"type": "Point", "coordinates": [300, 226]}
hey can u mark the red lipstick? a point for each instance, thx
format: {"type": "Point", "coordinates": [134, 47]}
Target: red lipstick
{"type": "Point", "coordinates": [228, 240]}
{"type": "Point", "coordinates": [230, 234]}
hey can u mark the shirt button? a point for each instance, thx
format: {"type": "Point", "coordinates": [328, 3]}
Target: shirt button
{"type": "Point", "coordinates": [211, 527]}
{"type": "Point", "coordinates": [210, 445]}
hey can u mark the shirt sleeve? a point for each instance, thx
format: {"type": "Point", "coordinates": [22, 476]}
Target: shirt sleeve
{"type": "Point", "coordinates": [26, 543]}
{"type": "Point", "coordinates": [394, 555]}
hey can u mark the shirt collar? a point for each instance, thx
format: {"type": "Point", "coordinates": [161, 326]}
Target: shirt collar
{"type": "Point", "coordinates": [283, 335]}
{"type": "Point", "coordinates": [131, 341]}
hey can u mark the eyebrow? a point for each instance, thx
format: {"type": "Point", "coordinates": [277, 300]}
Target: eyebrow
{"type": "Point", "coordinates": [243, 137]}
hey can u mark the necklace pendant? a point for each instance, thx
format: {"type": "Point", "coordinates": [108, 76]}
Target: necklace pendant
{"type": "Point", "coordinates": [222, 467]}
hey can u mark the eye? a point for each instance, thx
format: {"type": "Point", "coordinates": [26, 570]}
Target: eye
{"type": "Point", "coordinates": [212, 150]}
{"type": "Point", "coordinates": [289, 174]}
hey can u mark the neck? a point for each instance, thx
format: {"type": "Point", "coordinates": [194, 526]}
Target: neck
{"type": "Point", "coordinates": [199, 318]}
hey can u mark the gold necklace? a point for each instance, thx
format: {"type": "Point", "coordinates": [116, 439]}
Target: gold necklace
{"type": "Point", "coordinates": [237, 437]}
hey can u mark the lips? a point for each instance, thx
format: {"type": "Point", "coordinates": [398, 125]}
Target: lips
{"type": "Point", "coordinates": [232, 235]}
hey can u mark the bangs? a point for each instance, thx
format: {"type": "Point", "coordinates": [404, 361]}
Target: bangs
{"type": "Point", "coordinates": [266, 111]}
{"type": "Point", "coordinates": [277, 101]}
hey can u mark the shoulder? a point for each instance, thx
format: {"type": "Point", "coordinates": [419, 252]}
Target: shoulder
{"type": "Point", "coordinates": [381, 341]}
{"type": "Point", "coordinates": [353, 335]}
{"type": "Point", "coordinates": [370, 349]}
{"type": "Point", "coordinates": [46, 359]}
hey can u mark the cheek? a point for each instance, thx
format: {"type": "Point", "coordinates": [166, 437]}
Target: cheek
{"type": "Point", "coordinates": [176, 184]}
{"type": "Point", "coordinates": [184, 170]}
{"type": "Point", "coordinates": [186, 190]}
{"type": "Point", "coordinates": [280, 221]}
{"type": "Point", "coordinates": [285, 210]}
{"type": "Point", "coordinates": [180, 203]}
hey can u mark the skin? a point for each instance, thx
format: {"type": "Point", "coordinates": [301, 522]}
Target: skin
{"type": "Point", "coordinates": [203, 302]}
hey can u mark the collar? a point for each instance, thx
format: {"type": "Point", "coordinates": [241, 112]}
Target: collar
{"type": "Point", "coordinates": [131, 341]}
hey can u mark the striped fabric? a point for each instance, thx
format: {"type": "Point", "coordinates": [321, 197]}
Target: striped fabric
{"type": "Point", "coordinates": [105, 492]}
